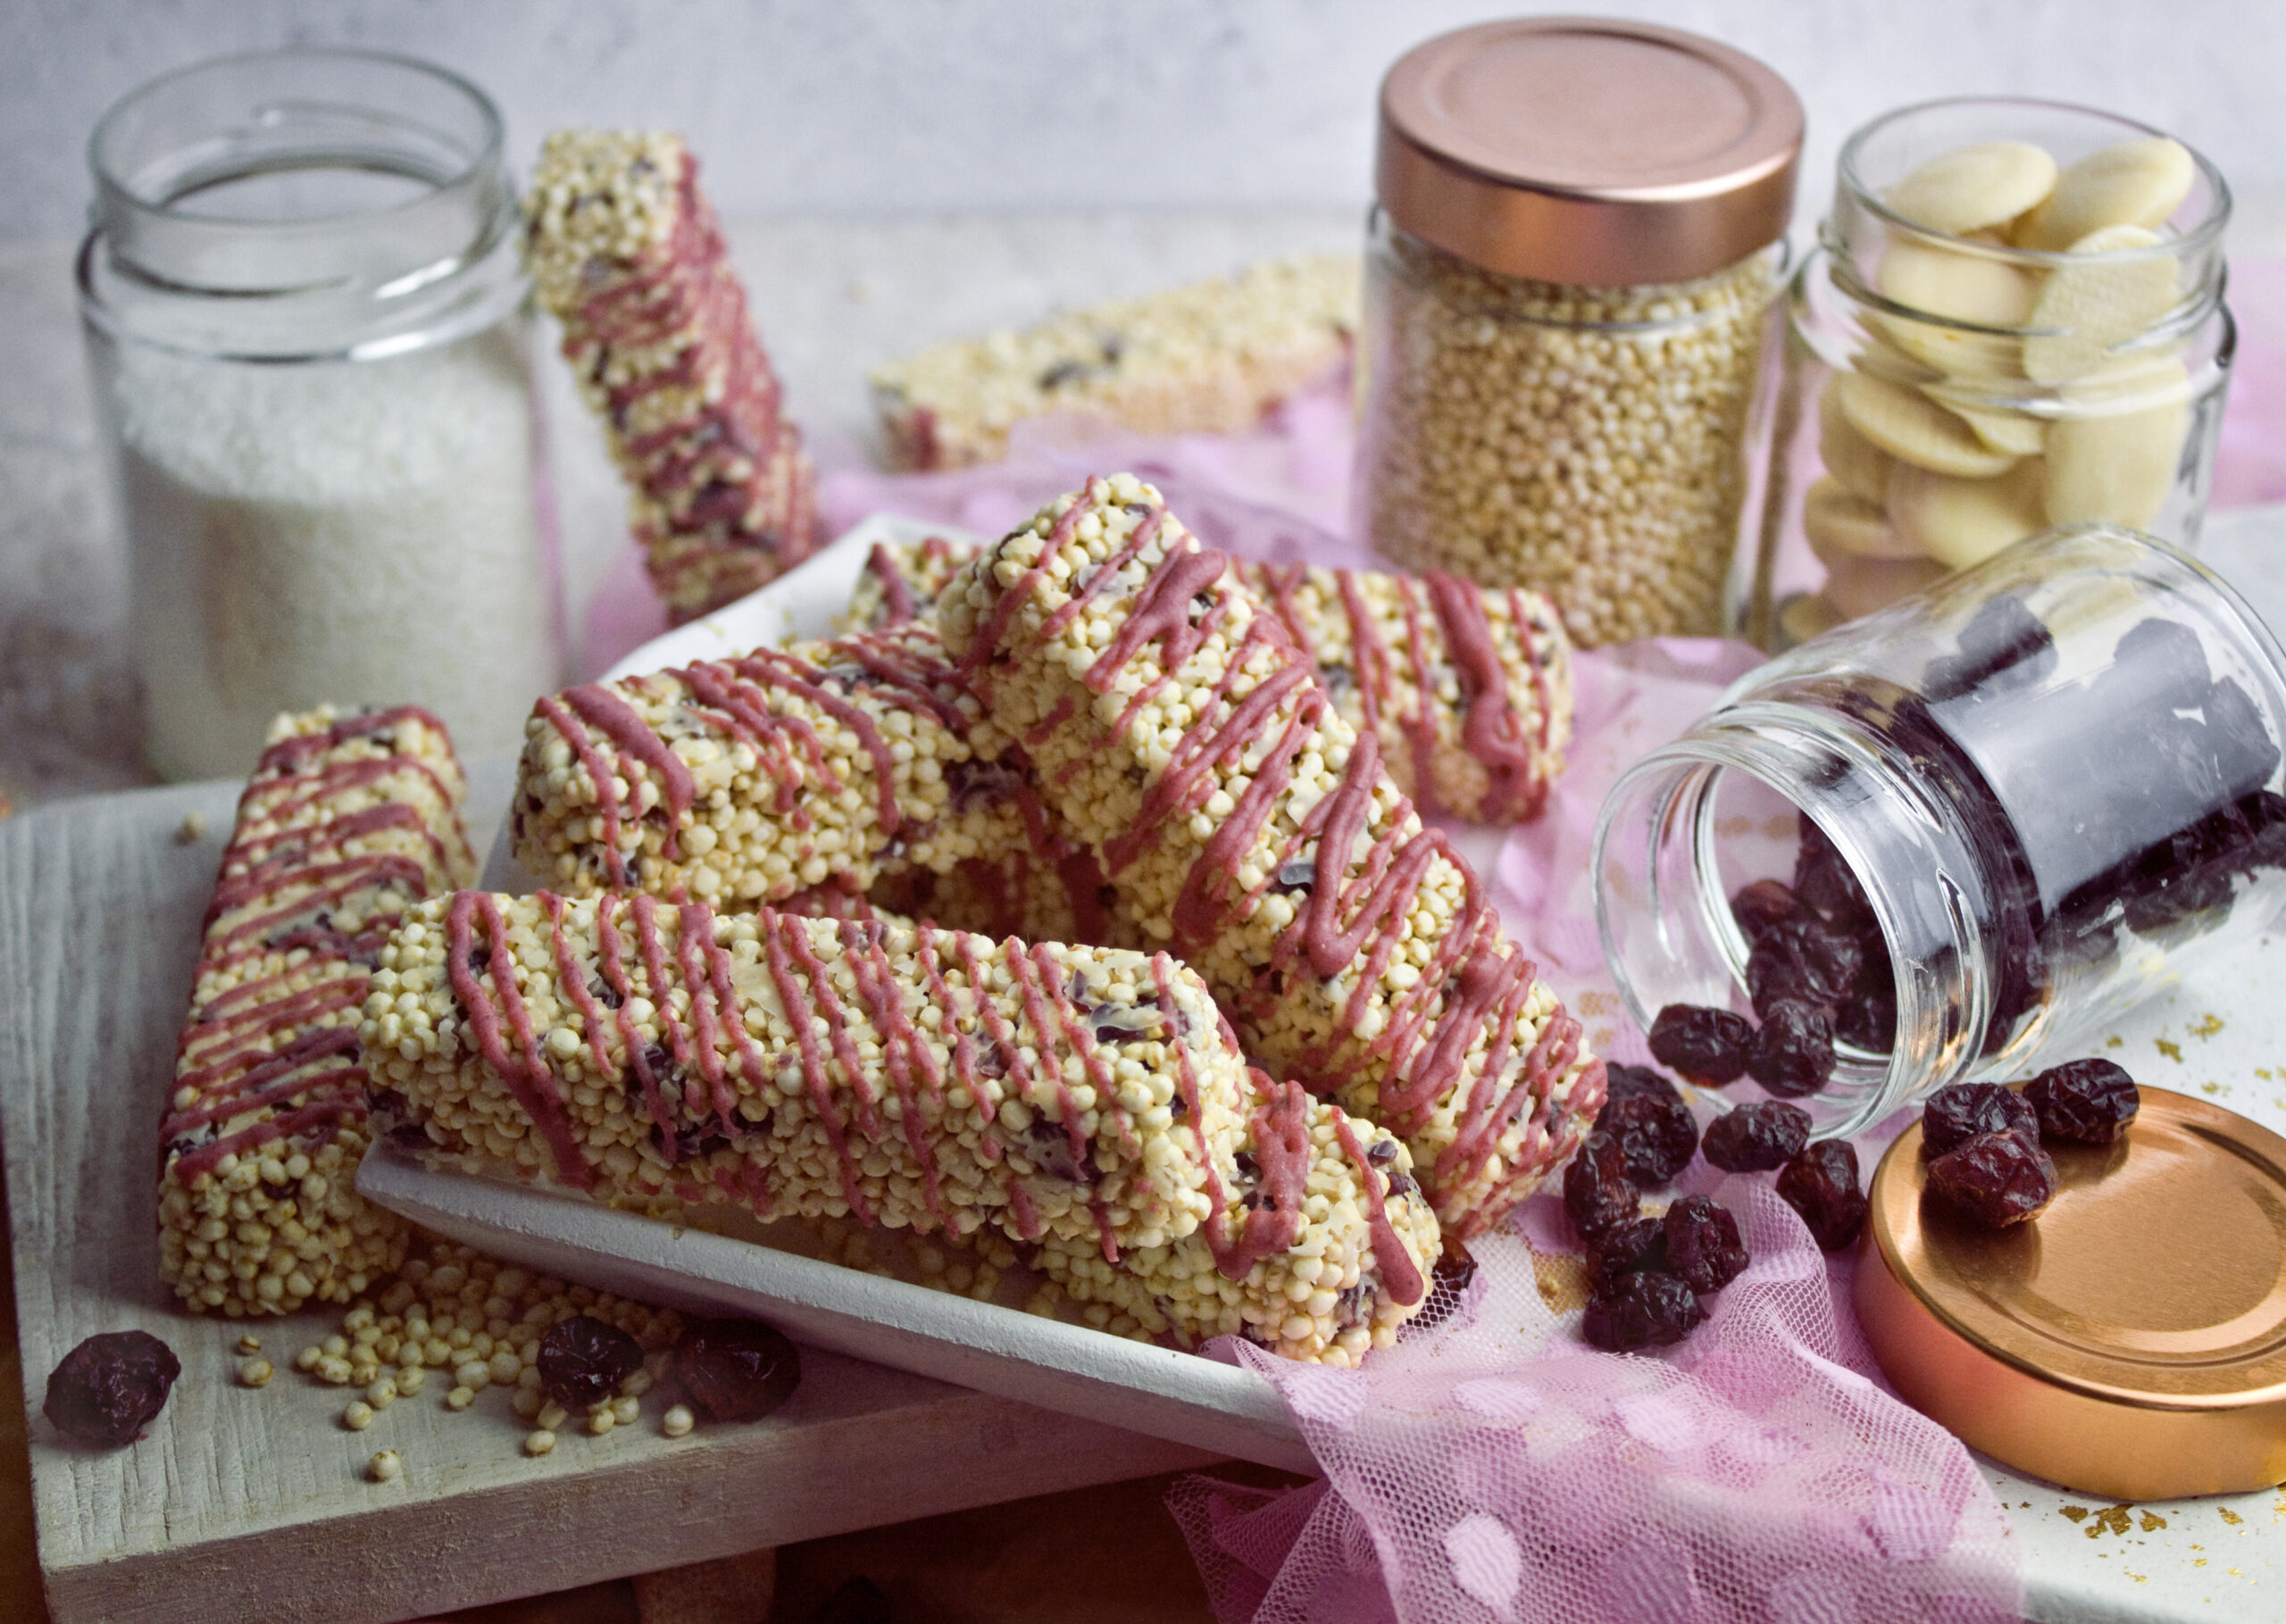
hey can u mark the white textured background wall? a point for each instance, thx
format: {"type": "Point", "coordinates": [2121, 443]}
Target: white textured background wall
{"type": "Point", "coordinates": [871, 106]}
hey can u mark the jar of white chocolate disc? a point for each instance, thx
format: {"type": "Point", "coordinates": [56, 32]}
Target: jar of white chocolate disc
{"type": "Point", "coordinates": [1950, 841]}
{"type": "Point", "coordinates": [307, 326]}
{"type": "Point", "coordinates": [2012, 318]}
{"type": "Point", "coordinates": [1576, 246]}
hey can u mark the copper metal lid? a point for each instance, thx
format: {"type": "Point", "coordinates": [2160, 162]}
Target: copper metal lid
{"type": "Point", "coordinates": [2130, 1341]}
{"type": "Point", "coordinates": [1580, 149]}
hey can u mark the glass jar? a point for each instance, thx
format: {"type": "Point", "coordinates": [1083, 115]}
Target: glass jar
{"type": "Point", "coordinates": [1940, 394]}
{"type": "Point", "coordinates": [307, 327]}
{"type": "Point", "coordinates": [1577, 242]}
{"type": "Point", "coordinates": [2030, 795]}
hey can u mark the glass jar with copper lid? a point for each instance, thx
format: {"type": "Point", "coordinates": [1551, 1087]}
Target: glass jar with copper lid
{"type": "Point", "coordinates": [1579, 232]}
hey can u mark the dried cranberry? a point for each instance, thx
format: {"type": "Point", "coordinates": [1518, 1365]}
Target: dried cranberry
{"type": "Point", "coordinates": [1625, 1248]}
{"type": "Point", "coordinates": [1868, 1019]}
{"type": "Point", "coordinates": [1824, 882]}
{"type": "Point", "coordinates": [1623, 1082]}
{"type": "Point", "coordinates": [1597, 1192]}
{"type": "Point", "coordinates": [1641, 1310]}
{"type": "Point", "coordinates": [1703, 1246]}
{"type": "Point", "coordinates": [735, 1370]}
{"type": "Point", "coordinates": [1803, 960]}
{"type": "Point", "coordinates": [108, 1388]}
{"type": "Point", "coordinates": [1760, 905]}
{"type": "Point", "coordinates": [2084, 1102]}
{"type": "Point", "coordinates": [1959, 1112]}
{"type": "Point", "coordinates": [2003, 646]}
{"type": "Point", "coordinates": [582, 1360]}
{"type": "Point", "coordinates": [1656, 1135]}
{"type": "Point", "coordinates": [1821, 1184]}
{"type": "Point", "coordinates": [1793, 1053]}
{"type": "Point", "coordinates": [1707, 1046]}
{"type": "Point", "coordinates": [1756, 1138]}
{"type": "Point", "coordinates": [1995, 1180]}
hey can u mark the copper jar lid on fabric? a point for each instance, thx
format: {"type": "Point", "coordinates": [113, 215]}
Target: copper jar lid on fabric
{"type": "Point", "coordinates": [2130, 1340]}
{"type": "Point", "coordinates": [1587, 150]}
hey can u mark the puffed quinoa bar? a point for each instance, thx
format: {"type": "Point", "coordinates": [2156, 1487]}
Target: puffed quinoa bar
{"type": "Point", "coordinates": [625, 251]}
{"type": "Point", "coordinates": [1467, 687]}
{"type": "Point", "coordinates": [1208, 356]}
{"type": "Point", "coordinates": [1243, 823]}
{"type": "Point", "coordinates": [347, 821]}
{"type": "Point", "coordinates": [660, 1054]}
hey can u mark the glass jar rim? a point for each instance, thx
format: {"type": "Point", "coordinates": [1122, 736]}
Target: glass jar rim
{"type": "Point", "coordinates": [2202, 237]}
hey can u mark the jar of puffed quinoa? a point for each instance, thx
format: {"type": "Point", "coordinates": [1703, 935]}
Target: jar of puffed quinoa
{"type": "Point", "coordinates": [2012, 319]}
{"type": "Point", "coordinates": [1578, 238]}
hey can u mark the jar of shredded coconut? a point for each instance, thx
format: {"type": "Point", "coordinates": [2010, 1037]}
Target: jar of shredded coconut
{"type": "Point", "coordinates": [306, 326]}
{"type": "Point", "coordinates": [1578, 239]}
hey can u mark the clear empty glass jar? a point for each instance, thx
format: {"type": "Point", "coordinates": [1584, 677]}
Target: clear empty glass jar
{"type": "Point", "coordinates": [305, 319]}
{"type": "Point", "coordinates": [2051, 784]}
{"type": "Point", "coordinates": [1956, 377]}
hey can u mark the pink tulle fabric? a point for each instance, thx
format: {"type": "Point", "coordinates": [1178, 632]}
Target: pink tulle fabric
{"type": "Point", "coordinates": [1494, 1467]}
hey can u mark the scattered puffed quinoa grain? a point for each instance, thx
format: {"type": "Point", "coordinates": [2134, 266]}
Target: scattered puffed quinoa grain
{"type": "Point", "coordinates": [410, 1380]}
{"type": "Point", "coordinates": [460, 1398]}
{"type": "Point", "coordinates": [538, 1443]}
{"type": "Point", "coordinates": [678, 1421]}
{"type": "Point", "coordinates": [255, 1373]}
{"type": "Point", "coordinates": [551, 1416]}
{"type": "Point", "coordinates": [307, 1359]}
{"type": "Point", "coordinates": [385, 1466]}
{"type": "Point", "coordinates": [601, 1421]}
{"type": "Point", "coordinates": [473, 1373]}
{"type": "Point", "coordinates": [192, 830]}
{"type": "Point", "coordinates": [526, 1402]}
{"type": "Point", "coordinates": [625, 1411]}
{"type": "Point", "coordinates": [249, 1344]}
{"type": "Point", "coordinates": [382, 1393]}
{"type": "Point", "coordinates": [358, 1416]}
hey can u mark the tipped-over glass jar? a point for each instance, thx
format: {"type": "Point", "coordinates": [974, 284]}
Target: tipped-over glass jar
{"type": "Point", "coordinates": [2012, 319]}
{"type": "Point", "coordinates": [1966, 830]}
{"type": "Point", "coordinates": [306, 322]}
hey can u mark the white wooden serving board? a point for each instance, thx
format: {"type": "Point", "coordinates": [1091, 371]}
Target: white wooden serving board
{"type": "Point", "coordinates": [241, 1503]}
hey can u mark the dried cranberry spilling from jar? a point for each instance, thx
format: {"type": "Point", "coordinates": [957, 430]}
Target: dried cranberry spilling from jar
{"type": "Point", "coordinates": [1703, 1250]}
{"type": "Point", "coordinates": [1803, 959]}
{"type": "Point", "coordinates": [735, 1370]}
{"type": "Point", "coordinates": [1707, 1046]}
{"type": "Point", "coordinates": [1760, 905]}
{"type": "Point", "coordinates": [108, 1388]}
{"type": "Point", "coordinates": [1756, 1138]}
{"type": "Point", "coordinates": [2084, 1101]}
{"type": "Point", "coordinates": [1597, 1191]}
{"type": "Point", "coordinates": [1960, 1111]}
{"type": "Point", "coordinates": [1995, 1180]}
{"type": "Point", "coordinates": [583, 1360]}
{"type": "Point", "coordinates": [1625, 1248]}
{"type": "Point", "coordinates": [1643, 1310]}
{"type": "Point", "coordinates": [1793, 1053]}
{"type": "Point", "coordinates": [1821, 1184]}
{"type": "Point", "coordinates": [1655, 1130]}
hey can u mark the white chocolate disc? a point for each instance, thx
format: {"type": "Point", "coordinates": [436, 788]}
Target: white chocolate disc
{"type": "Point", "coordinates": [1960, 522]}
{"type": "Point", "coordinates": [2116, 458]}
{"type": "Point", "coordinates": [1907, 424]}
{"type": "Point", "coordinates": [1972, 187]}
{"type": "Point", "coordinates": [1807, 616]}
{"type": "Point", "coordinates": [1860, 586]}
{"type": "Point", "coordinates": [2094, 306]}
{"type": "Point", "coordinates": [1956, 288]}
{"type": "Point", "coordinates": [1842, 524]}
{"type": "Point", "coordinates": [1860, 466]}
{"type": "Point", "coordinates": [2018, 433]}
{"type": "Point", "coordinates": [2136, 183]}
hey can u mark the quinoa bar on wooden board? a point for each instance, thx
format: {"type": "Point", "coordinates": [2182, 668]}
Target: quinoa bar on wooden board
{"type": "Point", "coordinates": [1468, 688]}
{"type": "Point", "coordinates": [1214, 356]}
{"type": "Point", "coordinates": [1243, 823]}
{"type": "Point", "coordinates": [346, 821]}
{"type": "Point", "coordinates": [626, 254]}
{"type": "Point", "coordinates": [1088, 1102]}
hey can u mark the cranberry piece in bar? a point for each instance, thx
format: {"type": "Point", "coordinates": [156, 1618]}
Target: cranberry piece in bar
{"type": "Point", "coordinates": [1960, 1111]}
{"type": "Point", "coordinates": [1597, 1191]}
{"type": "Point", "coordinates": [1656, 1135]}
{"type": "Point", "coordinates": [582, 1360]}
{"type": "Point", "coordinates": [1793, 1053]}
{"type": "Point", "coordinates": [736, 1370]}
{"type": "Point", "coordinates": [2084, 1102]}
{"type": "Point", "coordinates": [107, 1389]}
{"type": "Point", "coordinates": [1762, 904]}
{"type": "Point", "coordinates": [1995, 1180]}
{"type": "Point", "coordinates": [1625, 1248]}
{"type": "Point", "coordinates": [1703, 1250]}
{"type": "Point", "coordinates": [1756, 1138]}
{"type": "Point", "coordinates": [1707, 1046]}
{"type": "Point", "coordinates": [1640, 1311]}
{"type": "Point", "coordinates": [1821, 1184]}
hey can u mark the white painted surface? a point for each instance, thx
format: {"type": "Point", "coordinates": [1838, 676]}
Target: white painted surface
{"type": "Point", "coordinates": [926, 105]}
